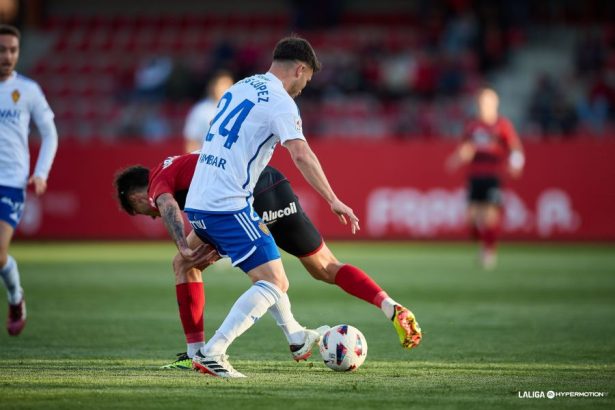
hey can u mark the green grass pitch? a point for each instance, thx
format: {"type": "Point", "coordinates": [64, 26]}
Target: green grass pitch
{"type": "Point", "coordinates": [103, 317]}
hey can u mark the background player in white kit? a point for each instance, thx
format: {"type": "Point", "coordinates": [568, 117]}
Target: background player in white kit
{"type": "Point", "coordinates": [199, 117]}
{"type": "Point", "coordinates": [20, 100]}
{"type": "Point", "coordinates": [253, 116]}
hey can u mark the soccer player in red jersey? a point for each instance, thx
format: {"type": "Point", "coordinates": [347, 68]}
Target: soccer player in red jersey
{"type": "Point", "coordinates": [490, 148]}
{"type": "Point", "coordinates": [162, 192]}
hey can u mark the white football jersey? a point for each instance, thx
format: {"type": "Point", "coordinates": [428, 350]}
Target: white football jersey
{"type": "Point", "coordinates": [20, 100]}
{"type": "Point", "coordinates": [252, 117]}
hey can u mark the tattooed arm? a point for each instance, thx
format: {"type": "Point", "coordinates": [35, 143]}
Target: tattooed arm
{"type": "Point", "coordinates": [203, 254]}
{"type": "Point", "coordinates": [173, 220]}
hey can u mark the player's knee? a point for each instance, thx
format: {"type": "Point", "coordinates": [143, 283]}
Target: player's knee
{"type": "Point", "coordinates": [280, 282]}
{"type": "Point", "coordinates": [322, 270]}
{"type": "Point", "coordinates": [323, 265]}
{"type": "Point", "coordinates": [4, 255]}
{"type": "Point", "coordinates": [179, 268]}
{"type": "Point", "coordinates": [283, 284]}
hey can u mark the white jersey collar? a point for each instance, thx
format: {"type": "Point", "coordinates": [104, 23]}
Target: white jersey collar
{"type": "Point", "coordinates": [11, 78]}
{"type": "Point", "coordinates": [274, 78]}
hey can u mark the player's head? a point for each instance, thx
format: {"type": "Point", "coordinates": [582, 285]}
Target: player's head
{"type": "Point", "coordinates": [295, 59]}
{"type": "Point", "coordinates": [131, 187]}
{"type": "Point", "coordinates": [487, 102]}
{"type": "Point", "coordinates": [9, 49]}
{"type": "Point", "coordinates": [219, 83]}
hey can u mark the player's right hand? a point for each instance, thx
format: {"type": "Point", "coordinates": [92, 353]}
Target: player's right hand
{"type": "Point", "coordinates": [342, 211]}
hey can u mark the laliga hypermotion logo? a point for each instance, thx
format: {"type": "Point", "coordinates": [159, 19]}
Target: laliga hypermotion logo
{"type": "Point", "coordinates": [15, 95]}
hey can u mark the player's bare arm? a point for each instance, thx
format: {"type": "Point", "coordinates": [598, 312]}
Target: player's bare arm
{"type": "Point", "coordinates": [516, 159]}
{"type": "Point", "coordinates": [307, 162]}
{"type": "Point", "coordinates": [462, 155]}
{"type": "Point", "coordinates": [172, 217]}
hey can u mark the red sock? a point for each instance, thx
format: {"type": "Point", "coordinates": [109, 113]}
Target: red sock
{"type": "Point", "coordinates": [191, 302]}
{"type": "Point", "coordinates": [475, 232]}
{"type": "Point", "coordinates": [358, 283]}
{"type": "Point", "coordinates": [489, 237]}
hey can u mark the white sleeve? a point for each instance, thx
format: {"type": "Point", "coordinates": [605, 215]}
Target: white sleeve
{"type": "Point", "coordinates": [43, 118]}
{"type": "Point", "coordinates": [286, 123]}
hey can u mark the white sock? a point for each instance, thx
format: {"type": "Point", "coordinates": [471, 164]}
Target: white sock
{"type": "Point", "coordinates": [10, 276]}
{"type": "Point", "coordinates": [388, 307]}
{"type": "Point", "coordinates": [245, 312]}
{"type": "Point", "coordinates": [192, 348]}
{"type": "Point", "coordinates": [293, 331]}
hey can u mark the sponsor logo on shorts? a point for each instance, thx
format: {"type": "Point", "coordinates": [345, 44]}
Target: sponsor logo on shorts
{"type": "Point", "coordinates": [271, 216]}
{"type": "Point", "coordinates": [198, 224]}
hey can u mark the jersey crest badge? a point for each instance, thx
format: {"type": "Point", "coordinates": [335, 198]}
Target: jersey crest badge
{"type": "Point", "coordinates": [264, 228]}
{"type": "Point", "coordinates": [167, 162]}
{"type": "Point", "coordinates": [298, 125]}
{"type": "Point", "coordinates": [16, 96]}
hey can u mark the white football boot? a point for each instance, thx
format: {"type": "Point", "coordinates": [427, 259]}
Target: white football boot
{"type": "Point", "coordinates": [217, 366]}
{"type": "Point", "coordinates": [312, 337]}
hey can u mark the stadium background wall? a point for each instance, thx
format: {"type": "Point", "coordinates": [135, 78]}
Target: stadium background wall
{"type": "Point", "coordinates": [399, 190]}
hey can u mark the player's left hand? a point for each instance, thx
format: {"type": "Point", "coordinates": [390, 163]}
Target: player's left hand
{"type": "Point", "coordinates": [342, 211]}
{"type": "Point", "coordinates": [202, 255]}
{"type": "Point", "coordinates": [40, 184]}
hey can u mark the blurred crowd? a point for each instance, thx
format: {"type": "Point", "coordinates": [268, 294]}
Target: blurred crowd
{"type": "Point", "coordinates": [405, 75]}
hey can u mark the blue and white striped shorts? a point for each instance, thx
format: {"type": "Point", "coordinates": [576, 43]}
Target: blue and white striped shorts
{"type": "Point", "coordinates": [12, 202]}
{"type": "Point", "coordinates": [240, 235]}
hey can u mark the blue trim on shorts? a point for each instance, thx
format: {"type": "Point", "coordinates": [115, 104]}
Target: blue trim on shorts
{"type": "Point", "coordinates": [12, 202]}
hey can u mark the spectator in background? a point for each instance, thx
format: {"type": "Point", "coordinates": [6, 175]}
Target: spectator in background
{"type": "Point", "coordinates": [489, 146]}
{"type": "Point", "coordinates": [549, 109]}
{"type": "Point", "coordinates": [151, 78]}
{"type": "Point", "coordinates": [595, 108]}
{"type": "Point", "coordinates": [199, 117]}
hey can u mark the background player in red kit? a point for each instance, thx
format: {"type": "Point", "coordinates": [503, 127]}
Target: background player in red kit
{"type": "Point", "coordinates": [163, 192]}
{"type": "Point", "coordinates": [490, 147]}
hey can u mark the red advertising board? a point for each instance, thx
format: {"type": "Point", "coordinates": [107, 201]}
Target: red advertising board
{"type": "Point", "coordinates": [399, 190]}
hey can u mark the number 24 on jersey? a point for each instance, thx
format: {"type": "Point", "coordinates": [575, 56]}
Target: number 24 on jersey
{"type": "Point", "coordinates": [231, 124]}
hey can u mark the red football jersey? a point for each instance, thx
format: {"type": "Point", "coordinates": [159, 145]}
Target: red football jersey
{"type": "Point", "coordinates": [172, 176]}
{"type": "Point", "coordinates": [492, 144]}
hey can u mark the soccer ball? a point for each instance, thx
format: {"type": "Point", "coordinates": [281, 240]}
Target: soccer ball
{"type": "Point", "coordinates": [343, 348]}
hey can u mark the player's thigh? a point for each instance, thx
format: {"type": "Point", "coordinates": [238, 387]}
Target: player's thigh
{"type": "Point", "coordinates": [290, 226]}
{"type": "Point", "coordinates": [193, 240]}
{"type": "Point", "coordinates": [6, 234]}
{"type": "Point", "coordinates": [322, 265]}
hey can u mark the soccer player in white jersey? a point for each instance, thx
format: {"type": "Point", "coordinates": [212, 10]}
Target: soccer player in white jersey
{"type": "Point", "coordinates": [20, 100]}
{"type": "Point", "coordinates": [252, 117]}
{"type": "Point", "coordinates": [199, 117]}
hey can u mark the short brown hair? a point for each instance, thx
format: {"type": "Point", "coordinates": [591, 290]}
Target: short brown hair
{"type": "Point", "coordinates": [10, 30]}
{"type": "Point", "coordinates": [128, 181]}
{"type": "Point", "coordinates": [296, 48]}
